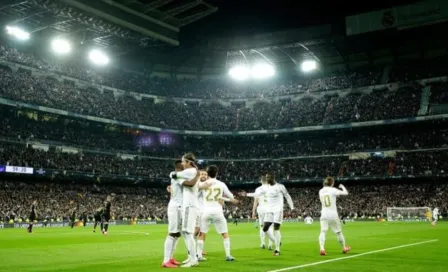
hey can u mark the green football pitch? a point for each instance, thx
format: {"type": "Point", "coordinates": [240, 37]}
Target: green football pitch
{"type": "Point", "coordinates": [375, 247]}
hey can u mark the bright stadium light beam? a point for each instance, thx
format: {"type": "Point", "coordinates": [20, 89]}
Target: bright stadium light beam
{"type": "Point", "coordinates": [308, 66]}
{"type": "Point", "coordinates": [262, 71]}
{"type": "Point", "coordinates": [239, 73]}
{"type": "Point", "coordinates": [98, 57]}
{"type": "Point", "coordinates": [17, 32]}
{"type": "Point", "coordinates": [61, 46]}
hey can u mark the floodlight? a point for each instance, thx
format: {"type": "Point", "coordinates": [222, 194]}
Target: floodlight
{"type": "Point", "coordinates": [61, 46]}
{"type": "Point", "coordinates": [309, 65]}
{"type": "Point", "coordinates": [239, 72]}
{"type": "Point", "coordinates": [18, 33]}
{"type": "Point", "coordinates": [98, 57]}
{"type": "Point", "coordinates": [262, 70]}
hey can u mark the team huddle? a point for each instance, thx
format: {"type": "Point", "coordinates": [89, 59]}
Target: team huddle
{"type": "Point", "coordinates": [197, 199]}
{"type": "Point", "coordinates": [193, 207]}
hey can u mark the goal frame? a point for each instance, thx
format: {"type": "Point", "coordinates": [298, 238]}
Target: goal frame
{"type": "Point", "coordinates": [390, 209]}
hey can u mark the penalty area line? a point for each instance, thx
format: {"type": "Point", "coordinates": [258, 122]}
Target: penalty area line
{"type": "Point", "coordinates": [353, 256]}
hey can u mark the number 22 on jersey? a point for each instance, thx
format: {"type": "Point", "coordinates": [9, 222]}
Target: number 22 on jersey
{"type": "Point", "coordinates": [213, 194]}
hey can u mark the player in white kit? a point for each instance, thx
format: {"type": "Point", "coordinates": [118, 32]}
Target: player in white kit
{"type": "Point", "coordinates": [202, 178]}
{"type": "Point", "coordinates": [275, 193]}
{"type": "Point", "coordinates": [329, 214]}
{"type": "Point", "coordinates": [308, 220]}
{"type": "Point", "coordinates": [213, 212]}
{"type": "Point", "coordinates": [435, 216]}
{"type": "Point", "coordinates": [190, 189]}
{"type": "Point", "coordinates": [260, 207]}
{"type": "Point", "coordinates": [174, 218]}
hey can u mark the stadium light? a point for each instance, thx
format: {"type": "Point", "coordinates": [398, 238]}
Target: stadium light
{"type": "Point", "coordinates": [17, 32]}
{"type": "Point", "coordinates": [262, 71]}
{"type": "Point", "coordinates": [61, 46]}
{"type": "Point", "coordinates": [309, 65]}
{"type": "Point", "coordinates": [98, 57]}
{"type": "Point", "coordinates": [239, 73]}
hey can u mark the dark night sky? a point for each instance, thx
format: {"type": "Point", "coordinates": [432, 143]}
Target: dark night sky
{"type": "Point", "coordinates": [246, 17]}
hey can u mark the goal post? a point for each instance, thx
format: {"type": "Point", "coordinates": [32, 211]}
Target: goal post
{"type": "Point", "coordinates": [408, 213]}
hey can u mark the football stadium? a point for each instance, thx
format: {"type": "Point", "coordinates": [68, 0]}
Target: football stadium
{"type": "Point", "coordinates": [149, 135]}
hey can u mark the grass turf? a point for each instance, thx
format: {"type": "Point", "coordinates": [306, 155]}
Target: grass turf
{"type": "Point", "coordinates": [140, 248]}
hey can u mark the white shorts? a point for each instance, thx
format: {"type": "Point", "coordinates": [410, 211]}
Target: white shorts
{"type": "Point", "coordinates": [333, 223]}
{"type": "Point", "coordinates": [216, 218]}
{"type": "Point", "coordinates": [435, 218]}
{"type": "Point", "coordinates": [199, 220]}
{"type": "Point", "coordinates": [174, 220]}
{"type": "Point", "coordinates": [274, 217]}
{"type": "Point", "coordinates": [189, 216]}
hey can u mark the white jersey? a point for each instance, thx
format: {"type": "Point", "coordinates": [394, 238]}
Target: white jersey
{"type": "Point", "coordinates": [214, 194]}
{"type": "Point", "coordinates": [435, 213]}
{"type": "Point", "coordinates": [274, 195]}
{"type": "Point", "coordinates": [200, 201]}
{"type": "Point", "coordinates": [308, 220]}
{"type": "Point", "coordinates": [328, 197]}
{"type": "Point", "coordinates": [176, 194]}
{"type": "Point", "coordinates": [262, 200]}
{"type": "Point", "coordinates": [190, 194]}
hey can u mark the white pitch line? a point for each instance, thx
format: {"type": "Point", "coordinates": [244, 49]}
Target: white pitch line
{"type": "Point", "coordinates": [134, 232]}
{"type": "Point", "coordinates": [352, 256]}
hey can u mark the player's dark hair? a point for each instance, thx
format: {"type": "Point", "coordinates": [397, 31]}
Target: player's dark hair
{"type": "Point", "coordinates": [212, 171]}
{"type": "Point", "coordinates": [177, 163]}
{"type": "Point", "coordinates": [329, 181]}
{"type": "Point", "coordinates": [270, 178]}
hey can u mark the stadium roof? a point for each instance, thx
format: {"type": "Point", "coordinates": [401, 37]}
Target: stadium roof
{"type": "Point", "coordinates": [148, 30]}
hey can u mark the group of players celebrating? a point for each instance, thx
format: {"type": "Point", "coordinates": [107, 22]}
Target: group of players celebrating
{"type": "Point", "coordinates": [196, 202]}
{"type": "Point", "coordinates": [197, 199]}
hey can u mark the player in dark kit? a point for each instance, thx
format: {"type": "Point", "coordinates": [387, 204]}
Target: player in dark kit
{"type": "Point", "coordinates": [106, 215]}
{"type": "Point", "coordinates": [33, 216]}
{"type": "Point", "coordinates": [84, 219]}
{"type": "Point", "coordinates": [72, 219]}
{"type": "Point", "coordinates": [97, 217]}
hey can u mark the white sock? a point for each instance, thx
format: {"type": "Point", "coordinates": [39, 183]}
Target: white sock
{"type": "Point", "coordinates": [262, 236]}
{"type": "Point", "coordinates": [270, 235]}
{"type": "Point", "coordinates": [184, 235]}
{"type": "Point", "coordinates": [322, 240]}
{"type": "Point", "coordinates": [227, 246]}
{"type": "Point", "coordinates": [168, 248]}
{"type": "Point", "coordinates": [278, 239]}
{"type": "Point", "coordinates": [200, 247]}
{"type": "Point", "coordinates": [341, 239]}
{"type": "Point", "coordinates": [189, 238]}
{"type": "Point", "coordinates": [271, 230]}
{"type": "Point", "coordinates": [173, 250]}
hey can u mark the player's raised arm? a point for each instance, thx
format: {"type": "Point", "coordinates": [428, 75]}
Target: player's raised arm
{"type": "Point", "coordinates": [343, 191]}
{"type": "Point", "coordinates": [204, 185]}
{"type": "Point", "coordinates": [287, 196]}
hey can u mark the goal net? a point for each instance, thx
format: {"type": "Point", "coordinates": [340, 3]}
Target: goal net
{"type": "Point", "coordinates": [408, 214]}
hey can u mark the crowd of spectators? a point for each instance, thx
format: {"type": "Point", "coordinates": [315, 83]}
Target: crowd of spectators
{"type": "Point", "coordinates": [23, 126]}
{"type": "Point", "coordinates": [265, 114]}
{"type": "Point", "coordinates": [206, 89]}
{"type": "Point", "coordinates": [56, 201]}
{"type": "Point", "coordinates": [424, 163]}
